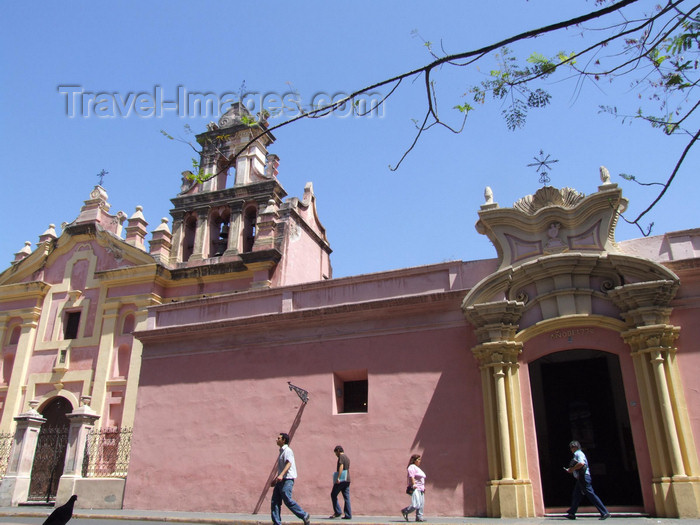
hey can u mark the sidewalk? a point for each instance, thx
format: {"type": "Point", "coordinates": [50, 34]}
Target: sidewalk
{"type": "Point", "coordinates": [264, 519]}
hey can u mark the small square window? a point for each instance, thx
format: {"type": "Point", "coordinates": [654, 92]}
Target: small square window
{"type": "Point", "coordinates": [70, 330]}
{"type": "Point", "coordinates": [355, 396]}
{"type": "Point", "coordinates": [351, 391]}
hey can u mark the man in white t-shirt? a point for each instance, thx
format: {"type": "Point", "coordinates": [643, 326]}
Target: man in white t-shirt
{"type": "Point", "coordinates": [284, 483]}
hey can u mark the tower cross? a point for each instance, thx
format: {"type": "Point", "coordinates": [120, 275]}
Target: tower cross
{"type": "Point", "coordinates": [101, 175]}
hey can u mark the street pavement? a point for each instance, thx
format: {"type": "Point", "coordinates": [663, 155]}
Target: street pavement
{"type": "Point", "coordinates": [36, 516]}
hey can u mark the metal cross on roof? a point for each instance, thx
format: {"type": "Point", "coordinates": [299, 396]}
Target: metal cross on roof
{"type": "Point", "coordinates": [543, 166]}
{"type": "Point", "coordinates": [101, 175]}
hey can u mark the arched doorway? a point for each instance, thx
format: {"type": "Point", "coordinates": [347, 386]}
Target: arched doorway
{"type": "Point", "coordinates": [50, 450]}
{"type": "Point", "coordinates": [578, 394]}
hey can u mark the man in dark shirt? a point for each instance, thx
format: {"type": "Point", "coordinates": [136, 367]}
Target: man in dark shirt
{"type": "Point", "coordinates": [341, 483]}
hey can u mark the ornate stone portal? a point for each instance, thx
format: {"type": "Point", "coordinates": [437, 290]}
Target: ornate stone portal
{"type": "Point", "coordinates": [560, 267]}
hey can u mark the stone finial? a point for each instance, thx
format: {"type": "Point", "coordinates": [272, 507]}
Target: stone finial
{"type": "Point", "coordinates": [161, 241]}
{"type": "Point", "coordinates": [138, 214]}
{"type": "Point", "coordinates": [32, 411]}
{"type": "Point", "coordinates": [84, 412]}
{"type": "Point", "coordinates": [99, 193]}
{"type": "Point", "coordinates": [272, 163]}
{"type": "Point", "coordinates": [163, 226]}
{"type": "Point", "coordinates": [604, 175]}
{"type": "Point", "coordinates": [24, 252]}
{"type": "Point", "coordinates": [48, 235]}
{"type": "Point", "coordinates": [488, 198]}
{"type": "Point", "coordinates": [488, 195]}
{"type": "Point", "coordinates": [308, 193]}
{"type": "Point", "coordinates": [234, 116]}
{"type": "Point", "coordinates": [270, 208]}
{"type": "Point", "coordinates": [136, 229]}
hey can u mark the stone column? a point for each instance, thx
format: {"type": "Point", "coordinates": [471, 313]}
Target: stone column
{"type": "Point", "coordinates": [82, 420]}
{"type": "Point", "coordinates": [234, 229]}
{"type": "Point", "coordinates": [201, 239]}
{"type": "Point", "coordinates": [14, 487]}
{"type": "Point", "coordinates": [509, 491]}
{"type": "Point", "coordinates": [177, 238]}
{"type": "Point", "coordinates": [651, 337]}
{"type": "Point", "coordinates": [265, 234]}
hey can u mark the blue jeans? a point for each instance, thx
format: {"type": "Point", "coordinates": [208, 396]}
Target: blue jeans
{"type": "Point", "coordinates": [283, 492]}
{"type": "Point", "coordinates": [584, 488]}
{"type": "Point", "coordinates": [344, 487]}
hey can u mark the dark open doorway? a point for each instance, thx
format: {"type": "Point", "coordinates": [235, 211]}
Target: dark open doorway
{"type": "Point", "coordinates": [578, 394]}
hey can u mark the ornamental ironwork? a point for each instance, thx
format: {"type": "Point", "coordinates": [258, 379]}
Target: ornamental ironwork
{"type": "Point", "coordinates": [47, 468]}
{"type": "Point", "coordinates": [6, 439]}
{"type": "Point", "coordinates": [303, 394]}
{"type": "Point", "coordinates": [543, 167]}
{"type": "Point", "coordinates": [107, 452]}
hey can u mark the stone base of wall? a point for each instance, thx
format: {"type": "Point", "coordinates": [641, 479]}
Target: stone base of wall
{"type": "Point", "coordinates": [677, 497]}
{"type": "Point", "coordinates": [93, 493]}
{"type": "Point", "coordinates": [13, 490]}
{"type": "Point", "coordinates": [510, 499]}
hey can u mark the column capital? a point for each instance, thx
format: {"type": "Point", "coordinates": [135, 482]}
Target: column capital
{"type": "Point", "coordinates": [498, 353]}
{"type": "Point", "coordinates": [496, 321]}
{"type": "Point", "coordinates": [652, 338]}
{"type": "Point", "coordinates": [645, 303]}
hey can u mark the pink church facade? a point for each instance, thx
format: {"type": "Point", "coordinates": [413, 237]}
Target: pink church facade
{"type": "Point", "coordinates": [463, 362]}
{"type": "Point", "coordinates": [230, 329]}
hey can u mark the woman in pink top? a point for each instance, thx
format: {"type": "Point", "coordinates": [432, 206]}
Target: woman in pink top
{"type": "Point", "coordinates": [416, 479]}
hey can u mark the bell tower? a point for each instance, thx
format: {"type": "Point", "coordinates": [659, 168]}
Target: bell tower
{"type": "Point", "coordinates": [236, 215]}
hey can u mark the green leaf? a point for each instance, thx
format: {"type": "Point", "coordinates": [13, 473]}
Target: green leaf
{"type": "Point", "coordinates": [464, 108]}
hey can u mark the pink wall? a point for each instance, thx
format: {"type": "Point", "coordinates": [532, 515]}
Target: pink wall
{"type": "Point", "coordinates": [218, 413]}
{"type": "Point", "coordinates": [451, 276]}
{"type": "Point", "coordinates": [303, 260]}
{"type": "Point", "coordinates": [686, 313]}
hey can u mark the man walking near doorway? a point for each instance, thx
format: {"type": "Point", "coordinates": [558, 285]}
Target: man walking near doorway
{"type": "Point", "coordinates": [579, 469]}
{"type": "Point", "coordinates": [284, 483]}
{"type": "Point", "coordinates": [341, 483]}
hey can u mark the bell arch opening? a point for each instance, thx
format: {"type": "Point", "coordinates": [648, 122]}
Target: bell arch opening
{"type": "Point", "coordinates": [579, 395]}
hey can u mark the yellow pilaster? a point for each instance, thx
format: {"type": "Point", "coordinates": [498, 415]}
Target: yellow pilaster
{"type": "Point", "coordinates": [105, 358]}
{"type": "Point", "coordinates": [509, 491]}
{"type": "Point", "coordinates": [676, 477]}
{"type": "Point", "coordinates": [652, 340]}
{"type": "Point", "coordinates": [25, 345]}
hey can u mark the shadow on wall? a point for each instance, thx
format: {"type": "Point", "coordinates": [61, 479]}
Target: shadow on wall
{"type": "Point", "coordinates": [273, 472]}
{"type": "Point", "coordinates": [455, 414]}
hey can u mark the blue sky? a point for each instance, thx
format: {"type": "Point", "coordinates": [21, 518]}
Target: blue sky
{"type": "Point", "coordinates": [376, 219]}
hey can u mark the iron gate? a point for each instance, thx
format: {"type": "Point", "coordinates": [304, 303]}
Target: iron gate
{"type": "Point", "coordinates": [48, 463]}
